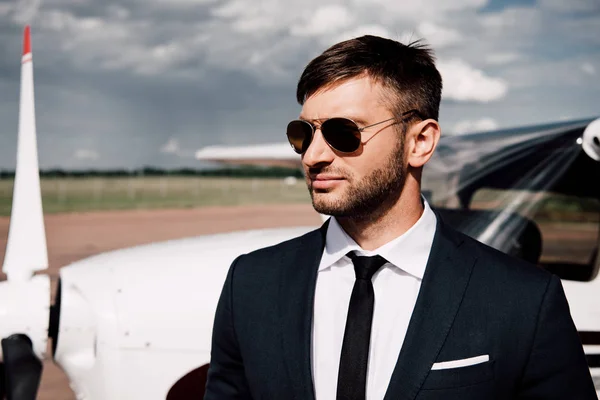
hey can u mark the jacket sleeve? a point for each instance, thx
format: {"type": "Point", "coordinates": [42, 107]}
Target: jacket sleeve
{"type": "Point", "coordinates": [557, 367]}
{"type": "Point", "coordinates": [226, 379]}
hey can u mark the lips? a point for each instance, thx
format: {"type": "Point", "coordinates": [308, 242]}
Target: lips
{"type": "Point", "coordinates": [325, 177]}
{"type": "Point", "coordinates": [325, 181]}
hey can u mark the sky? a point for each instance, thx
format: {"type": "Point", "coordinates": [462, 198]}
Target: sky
{"type": "Point", "coordinates": [133, 83]}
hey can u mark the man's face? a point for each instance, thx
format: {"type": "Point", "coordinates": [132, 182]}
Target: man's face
{"type": "Point", "coordinates": [366, 181]}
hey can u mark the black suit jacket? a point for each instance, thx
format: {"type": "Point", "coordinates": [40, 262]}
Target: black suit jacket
{"type": "Point", "coordinates": [473, 301]}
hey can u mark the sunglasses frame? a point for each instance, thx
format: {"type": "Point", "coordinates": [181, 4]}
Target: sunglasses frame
{"type": "Point", "coordinates": [360, 130]}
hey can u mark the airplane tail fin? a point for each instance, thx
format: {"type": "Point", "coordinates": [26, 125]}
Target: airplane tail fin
{"type": "Point", "coordinates": [26, 249]}
{"type": "Point", "coordinates": [25, 299]}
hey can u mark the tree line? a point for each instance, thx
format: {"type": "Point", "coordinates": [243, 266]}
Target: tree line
{"type": "Point", "coordinates": [230, 172]}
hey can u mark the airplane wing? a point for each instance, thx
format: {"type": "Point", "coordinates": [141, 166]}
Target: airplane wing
{"type": "Point", "coordinates": [536, 157]}
{"type": "Point", "coordinates": [498, 186]}
{"type": "Point", "coordinates": [271, 155]}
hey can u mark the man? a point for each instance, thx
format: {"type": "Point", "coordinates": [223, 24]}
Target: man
{"type": "Point", "coordinates": [385, 300]}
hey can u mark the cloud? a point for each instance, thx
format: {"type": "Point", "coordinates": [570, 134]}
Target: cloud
{"type": "Point", "coordinates": [502, 58]}
{"type": "Point", "coordinates": [324, 21]}
{"type": "Point", "coordinates": [462, 82]}
{"type": "Point", "coordinates": [588, 68]}
{"type": "Point", "coordinates": [478, 125]}
{"type": "Point", "coordinates": [360, 30]}
{"type": "Point", "coordinates": [125, 77]}
{"type": "Point", "coordinates": [414, 11]}
{"type": "Point", "coordinates": [5, 9]}
{"type": "Point", "coordinates": [86, 154]}
{"type": "Point", "coordinates": [118, 12]}
{"type": "Point", "coordinates": [518, 23]}
{"type": "Point", "coordinates": [171, 147]}
{"type": "Point", "coordinates": [437, 35]}
{"type": "Point", "coordinates": [26, 10]}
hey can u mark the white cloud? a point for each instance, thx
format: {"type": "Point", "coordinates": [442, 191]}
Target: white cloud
{"type": "Point", "coordinates": [26, 10]}
{"type": "Point", "coordinates": [5, 9]}
{"type": "Point", "coordinates": [537, 59]}
{"type": "Point", "coordinates": [171, 147]}
{"type": "Point", "coordinates": [87, 37]}
{"type": "Point", "coordinates": [256, 18]}
{"type": "Point", "coordinates": [170, 3]}
{"type": "Point", "coordinates": [415, 10]}
{"type": "Point", "coordinates": [53, 3]}
{"type": "Point", "coordinates": [462, 82]}
{"type": "Point", "coordinates": [588, 68]}
{"type": "Point", "coordinates": [118, 12]}
{"type": "Point", "coordinates": [266, 39]}
{"type": "Point", "coordinates": [86, 154]}
{"type": "Point", "coordinates": [325, 20]}
{"type": "Point", "coordinates": [502, 58]}
{"type": "Point", "coordinates": [361, 30]}
{"type": "Point", "coordinates": [520, 23]}
{"type": "Point", "coordinates": [478, 125]}
{"type": "Point", "coordinates": [437, 35]}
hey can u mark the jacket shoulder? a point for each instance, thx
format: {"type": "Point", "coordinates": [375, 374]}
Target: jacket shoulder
{"type": "Point", "coordinates": [264, 260]}
{"type": "Point", "coordinates": [284, 247]}
{"type": "Point", "coordinates": [503, 267]}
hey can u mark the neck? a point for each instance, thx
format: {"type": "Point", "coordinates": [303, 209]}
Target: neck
{"type": "Point", "coordinates": [375, 230]}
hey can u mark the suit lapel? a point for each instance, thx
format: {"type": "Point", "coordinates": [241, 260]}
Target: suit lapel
{"type": "Point", "coordinates": [296, 299]}
{"type": "Point", "coordinates": [442, 289]}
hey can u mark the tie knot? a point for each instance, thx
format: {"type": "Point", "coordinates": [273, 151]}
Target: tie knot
{"type": "Point", "coordinates": [365, 266]}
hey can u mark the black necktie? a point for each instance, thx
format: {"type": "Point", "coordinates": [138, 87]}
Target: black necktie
{"type": "Point", "coordinates": [352, 376]}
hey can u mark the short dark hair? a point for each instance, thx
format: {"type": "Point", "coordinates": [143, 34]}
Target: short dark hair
{"type": "Point", "coordinates": [408, 70]}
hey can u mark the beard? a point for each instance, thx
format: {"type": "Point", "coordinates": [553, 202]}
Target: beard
{"type": "Point", "coordinates": [368, 197]}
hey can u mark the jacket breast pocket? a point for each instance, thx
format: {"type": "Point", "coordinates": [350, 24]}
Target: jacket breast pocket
{"type": "Point", "coordinates": [459, 377]}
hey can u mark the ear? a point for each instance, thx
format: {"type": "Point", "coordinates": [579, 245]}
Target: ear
{"type": "Point", "coordinates": [421, 141]}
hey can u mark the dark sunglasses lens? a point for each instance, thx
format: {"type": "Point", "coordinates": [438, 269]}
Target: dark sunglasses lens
{"type": "Point", "coordinates": [299, 134]}
{"type": "Point", "coordinates": [342, 134]}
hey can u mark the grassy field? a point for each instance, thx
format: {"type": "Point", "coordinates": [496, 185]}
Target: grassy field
{"type": "Point", "coordinates": [75, 194]}
{"type": "Point", "coordinates": [87, 194]}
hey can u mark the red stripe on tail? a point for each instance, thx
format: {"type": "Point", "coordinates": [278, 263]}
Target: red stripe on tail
{"type": "Point", "coordinates": [26, 41]}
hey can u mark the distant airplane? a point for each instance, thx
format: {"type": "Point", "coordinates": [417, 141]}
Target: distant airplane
{"type": "Point", "coordinates": [271, 155]}
{"type": "Point", "coordinates": [116, 339]}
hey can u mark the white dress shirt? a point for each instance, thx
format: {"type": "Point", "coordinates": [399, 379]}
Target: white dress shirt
{"type": "Point", "coordinates": [396, 286]}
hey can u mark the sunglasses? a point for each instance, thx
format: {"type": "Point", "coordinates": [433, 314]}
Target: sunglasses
{"type": "Point", "coordinates": [342, 134]}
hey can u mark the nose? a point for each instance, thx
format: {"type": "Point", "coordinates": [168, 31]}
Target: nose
{"type": "Point", "coordinates": [318, 151]}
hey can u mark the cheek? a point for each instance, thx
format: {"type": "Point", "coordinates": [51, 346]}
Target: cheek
{"type": "Point", "coordinates": [377, 158]}
{"type": "Point", "coordinates": [360, 167]}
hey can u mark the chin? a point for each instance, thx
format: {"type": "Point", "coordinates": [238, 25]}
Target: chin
{"type": "Point", "coordinates": [327, 203]}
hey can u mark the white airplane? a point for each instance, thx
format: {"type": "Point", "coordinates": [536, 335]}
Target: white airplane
{"type": "Point", "coordinates": [116, 339]}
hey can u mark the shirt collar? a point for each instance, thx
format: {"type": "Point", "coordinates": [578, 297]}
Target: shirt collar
{"type": "Point", "coordinates": [408, 251]}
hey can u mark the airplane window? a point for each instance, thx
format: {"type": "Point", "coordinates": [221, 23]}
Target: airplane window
{"type": "Point", "coordinates": [568, 229]}
{"type": "Point", "coordinates": [531, 193]}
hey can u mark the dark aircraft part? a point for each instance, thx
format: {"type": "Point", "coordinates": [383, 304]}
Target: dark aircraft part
{"type": "Point", "coordinates": [22, 369]}
{"type": "Point", "coordinates": [190, 386]}
{"type": "Point", "coordinates": [534, 158]}
{"type": "Point", "coordinates": [54, 323]}
{"type": "Point", "coordinates": [593, 360]}
{"type": "Point", "coordinates": [556, 164]}
{"type": "Point", "coordinates": [531, 192]}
